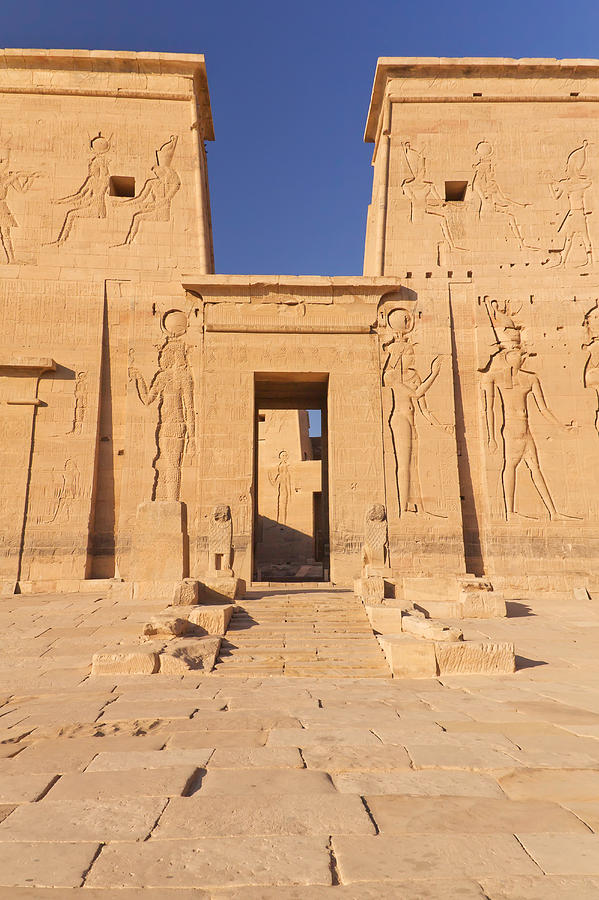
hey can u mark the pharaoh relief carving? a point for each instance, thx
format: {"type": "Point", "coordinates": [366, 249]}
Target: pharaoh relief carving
{"type": "Point", "coordinates": [590, 375]}
{"type": "Point", "coordinates": [67, 489]}
{"type": "Point", "coordinates": [11, 181]}
{"type": "Point", "coordinates": [507, 390]}
{"type": "Point", "coordinates": [154, 200]}
{"type": "Point", "coordinates": [79, 403]}
{"type": "Point", "coordinates": [220, 537]}
{"type": "Point", "coordinates": [423, 195]}
{"type": "Point", "coordinates": [280, 478]}
{"type": "Point", "coordinates": [408, 392]}
{"type": "Point", "coordinates": [89, 200]}
{"type": "Point", "coordinates": [172, 390]}
{"type": "Point", "coordinates": [491, 198]}
{"type": "Point", "coordinates": [573, 226]}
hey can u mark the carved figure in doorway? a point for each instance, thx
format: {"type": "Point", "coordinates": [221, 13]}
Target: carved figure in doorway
{"type": "Point", "coordinates": [506, 380]}
{"type": "Point", "coordinates": [172, 388]}
{"type": "Point", "coordinates": [220, 537]}
{"type": "Point", "coordinates": [16, 181]}
{"type": "Point", "coordinates": [423, 194]}
{"type": "Point", "coordinates": [408, 394]}
{"type": "Point", "coordinates": [155, 198]}
{"type": "Point", "coordinates": [490, 195]}
{"type": "Point", "coordinates": [280, 478]}
{"type": "Point", "coordinates": [575, 223]}
{"type": "Point", "coordinates": [375, 550]}
{"type": "Point", "coordinates": [590, 375]}
{"type": "Point", "coordinates": [88, 201]}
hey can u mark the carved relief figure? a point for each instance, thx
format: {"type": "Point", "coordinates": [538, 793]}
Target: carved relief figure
{"type": "Point", "coordinates": [408, 392]}
{"type": "Point", "coordinates": [280, 478]}
{"type": "Point", "coordinates": [590, 375]}
{"type": "Point", "coordinates": [172, 388]}
{"type": "Point", "coordinates": [220, 536]}
{"type": "Point", "coordinates": [504, 378]}
{"type": "Point", "coordinates": [16, 181]}
{"type": "Point", "coordinates": [574, 187]}
{"type": "Point", "coordinates": [490, 195]}
{"type": "Point", "coordinates": [80, 403]}
{"type": "Point", "coordinates": [155, 198]}
{"type": "Point", "coordinates": [375, 550]}
{"type": "Point", "coordinates": [423, 194]}
{"type": "Point", "coordinates": [67, 489]}
{"type": "Point", "coordinates": [89, 201]}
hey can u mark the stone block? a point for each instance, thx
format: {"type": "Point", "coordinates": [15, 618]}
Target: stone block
{"type": "Point", "coordinates": [481, 657]}
{"type": "Point", "coordinates": [166, 624]}
{"type": "Point", "coordinates": [384, 619]}
{"type": "Point", "coordinates": [482, 605]}
{"type": "Point", "coordinates": [430, 629]}
{"type": "Point", "coordinates": [218, 589]}
{"type": "Point", "coordinates": [158, 541]}
{"type": "Point", "coordinates": [137, 660]}
{"type": "Point", "coordinates": [409, 657]}
{"type": "Point", "coordinates": [370, 588]}
{"type": "Point", "coordinates": [213, 619]}
{"type": "Point", "coordinates": [193, 654]}
{"type": "Point", "coordinates": [186, 592]}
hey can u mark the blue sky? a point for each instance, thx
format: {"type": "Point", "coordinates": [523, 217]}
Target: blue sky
{"type": "Point", "coordinates": [290, 84]}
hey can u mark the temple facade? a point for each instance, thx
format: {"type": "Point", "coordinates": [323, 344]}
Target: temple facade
{"type": "Point", "coordinates": [140, 392]}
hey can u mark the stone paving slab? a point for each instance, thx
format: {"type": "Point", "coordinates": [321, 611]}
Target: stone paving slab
{"type": "Point", "coordinates": [439, 889]}
{"type": "Point", "coordinates": [418, 784]}
{"type": "Point", "coordinates": [166, 782]}
{"type": "Point", "coordinates": [563, 854]}
{"type": "Point", "coordinates": [384, 857]}
{"type": "Point", "coordinates": [265, 781]}
{"type": "Point", "coordinates": [213, 862]}
{"type": "Point", "coordinates": [248, 814]}
{"type": "Point", "coordinates": [24, 788]}
{"type": "Point", "coordinates": [45, 864]}
{"type": "Point", "coordinates": [83, 820]}
{"type": "Point", "coordinates": [541, 888]}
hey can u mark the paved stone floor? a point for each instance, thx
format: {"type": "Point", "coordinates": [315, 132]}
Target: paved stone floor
{"type": "Point", "coordinates": [229, 786]}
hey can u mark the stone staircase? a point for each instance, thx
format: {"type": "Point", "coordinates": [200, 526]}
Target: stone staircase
{"type": "Point", "coordinates": [301, 630]}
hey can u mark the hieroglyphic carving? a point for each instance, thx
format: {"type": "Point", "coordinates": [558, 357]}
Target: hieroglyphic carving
{"type": "Point", "coordinates": [490, 195]}
{"type": "Point", "coordinates": [280, 478]}
{"type": "Point", "coordinates": [155, 198]}
{"type": "Point", "coordinates": [375, 550]}
{"type": "Point", "coordinates": [89, 201]}
{"type": "Point", "coordinates": [590, 375]}
{"type": "Point", "coordinates": [408, 393]}
{"type": "Point", "coordinates": [504, 379]}
{"type": "Point", "coordinates": [80, 403]}
{"type": "Point", "coordinates": [220, 537]}
{"type": "Point", "coordinates": [574, 223]}
{"type": "Point", "coordinates": [17, 181]}
{"type": "Point", "coordinates": [172, 387]}
{"type": "Point", "coordinates": [423, 194]}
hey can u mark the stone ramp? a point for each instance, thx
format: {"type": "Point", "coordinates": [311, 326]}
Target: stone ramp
{"type": "Point", "coordinates": [301, 630]}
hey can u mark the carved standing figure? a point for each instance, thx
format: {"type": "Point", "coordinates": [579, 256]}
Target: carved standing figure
{"type": "Point", "coordinates": [423, 194]}
{"type": "Point", "coordinates": [220, 537]}
{"type": "Point", "coordinates": [375, 550]}
{"type": "Point", "coordinates": [408, 392]}
{"type": "Point", "coordinates": [590, 375]}
{"type": "Point", "coordinates": [505, 378]}
{"type": "Point", "coordinates": [280, 478]}
{"type": "Point", "coordinates": [490, 195]}
{"type": "Point", "coordinates": [172, 388]}
{"type": "Point", "coordinates": [575, 223]}
{"type": "Point", "coordinates": [16, 181]}
{"type": "Point", "coordinates": [89, 201]}
{"type": "Point", "coordinates": [154, 199]}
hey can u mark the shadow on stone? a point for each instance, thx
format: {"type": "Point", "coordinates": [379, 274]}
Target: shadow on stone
{"type": "Point", "coordinates": [522, 662]}
{"type": "Point", "coordinates": [516, 609]}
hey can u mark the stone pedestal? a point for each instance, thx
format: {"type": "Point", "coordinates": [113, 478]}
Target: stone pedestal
{"type": "Point", "coordinates": [159, 545]}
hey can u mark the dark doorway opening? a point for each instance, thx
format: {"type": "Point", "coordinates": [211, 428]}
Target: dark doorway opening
{"type": "Point", "coordinates": [291, 521]}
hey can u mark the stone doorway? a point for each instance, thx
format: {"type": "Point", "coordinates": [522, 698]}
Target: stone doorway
{"type": "Point", "coordinates": [291, 520]}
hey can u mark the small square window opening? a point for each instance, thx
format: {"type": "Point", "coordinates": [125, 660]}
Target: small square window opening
{"type": "Point", "coordinates": [121, 186]}
{"type": "Point", "coordinates": [455, 190]}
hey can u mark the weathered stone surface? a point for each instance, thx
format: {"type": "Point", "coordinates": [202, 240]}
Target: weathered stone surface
{"type": "Point", "coordinates": [265, 781]}
{"type": "Point", "coordinates": [189, 654]}
{"type": "Point", "coordinates": [484, 657]}
{"type": "Point", "coordinates": [24, 788]}
{"type": "Point", "coordinates": [166, 624]}
{"type": "Point", "coordinates": [214, 862]}
{"type": "Point", "coordinates": [58, 865]}
{"type": "Point", "coordinates": [203, 816]}
{"type": "Point", "coordinates": [83, 820]}
{"type": "Point", "coordinates": [384, 619]}
{"type": "Point", "coordinates": [557, 785]}
{"type": "Point", "coordinates": [220, 589]}
{"type": "Point", "coordinates": [186, 593]}
{"type": "Point", "coordinates": [409, 657]}
{"type": "Point", "coordinates": [213, 619]}
{"type": "Point", "coordinates": [148, 759]}
{"type": "Point", "coordinates": [137, 660]}
{"type": "Point", "coordinates": [163, 782]}
{"type": "Point", "coordinates": [430, 629]}
{"type": "Point", "coordinates": [563, 854]}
